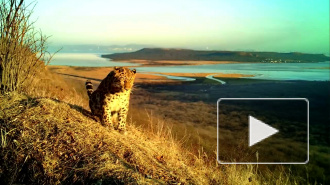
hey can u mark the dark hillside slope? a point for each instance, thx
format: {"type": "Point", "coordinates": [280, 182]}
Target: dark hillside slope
{"type": "Point", "coordinates": [195, 55]}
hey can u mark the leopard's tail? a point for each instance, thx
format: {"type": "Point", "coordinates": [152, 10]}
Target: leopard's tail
{"type": "Point", "coordinates": [89, 88]}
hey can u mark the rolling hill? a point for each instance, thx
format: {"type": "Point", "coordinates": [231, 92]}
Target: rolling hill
{"type": "Point", "coordinates": [199, 55]}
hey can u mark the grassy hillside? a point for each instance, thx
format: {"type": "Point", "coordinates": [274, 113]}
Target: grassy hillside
{"type": "Point", "coordinates": [49, 137]}
{"type": "Point", "coordinates": [195, 55]}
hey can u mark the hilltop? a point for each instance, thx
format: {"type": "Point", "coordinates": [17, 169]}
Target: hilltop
{"type": "Point", "coordinates": [199, 55]}
{"type": "Point", "coordinates": [51, 141]}
{"type": "Point", "coordinates": [49, 137]}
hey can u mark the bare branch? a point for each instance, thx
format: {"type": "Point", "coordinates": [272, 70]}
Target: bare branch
{"type": "Point", "coordinates": [22, 48]}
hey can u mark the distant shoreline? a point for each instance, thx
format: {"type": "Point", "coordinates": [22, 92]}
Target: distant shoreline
{"type": "Point", "coordinates": [157, 63]}
{"type": "Point", "coordinates": [163, 54]}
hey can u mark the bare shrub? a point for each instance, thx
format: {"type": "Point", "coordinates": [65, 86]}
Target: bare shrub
{"type": "Point", "coordinates": [23, 50]}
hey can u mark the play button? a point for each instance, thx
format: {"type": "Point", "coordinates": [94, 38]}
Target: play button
{"type": "Point", "coordinates": [262, 131]}
{"type": "Point", "coordinates": [259, 131]}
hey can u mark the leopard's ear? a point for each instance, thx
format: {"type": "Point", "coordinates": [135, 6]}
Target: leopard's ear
{"type": "Point", "coordinates": [116, 68]}
{"type": "Point", "coordinates": [134, 71]}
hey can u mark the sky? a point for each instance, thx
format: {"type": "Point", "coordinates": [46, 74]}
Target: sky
{"type": "Point", "coordinates": [253, 25]}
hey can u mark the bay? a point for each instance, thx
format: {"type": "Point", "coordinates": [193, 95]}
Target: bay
{"type": "Point", "coordinates": [270, 71]}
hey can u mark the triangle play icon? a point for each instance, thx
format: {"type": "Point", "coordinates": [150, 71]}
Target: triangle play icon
{"type": "Point", "coordinates": [259, 131]}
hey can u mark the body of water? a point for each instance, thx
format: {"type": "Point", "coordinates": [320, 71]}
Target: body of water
{"type": "Point", "coordinates": [215, 79]}
{"type": "Point", "coordinates": [85, 60]}
{"type": "Point", "coordinates": [270, 71]}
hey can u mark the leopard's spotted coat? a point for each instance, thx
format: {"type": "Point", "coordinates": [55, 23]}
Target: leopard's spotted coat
{"type": "Point", "coordinates": [110, 100]}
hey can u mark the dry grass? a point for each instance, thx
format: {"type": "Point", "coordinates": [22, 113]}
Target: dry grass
{"type": "Point", "coordinates": [51, 85]}
{"type": "Point", "coordinates": [49, 141]}
{"type": "Point", "coordinates": [48, 137]}
{"type": "Point", "coordinates": [99, 73]}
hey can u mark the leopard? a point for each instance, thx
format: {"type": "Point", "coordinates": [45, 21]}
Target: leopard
{"type": "Point", "coordinates": [110, 101]}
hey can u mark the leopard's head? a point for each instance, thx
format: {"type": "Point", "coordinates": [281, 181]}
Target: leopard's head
{"type": "Point", "coordinates": [123, 79]}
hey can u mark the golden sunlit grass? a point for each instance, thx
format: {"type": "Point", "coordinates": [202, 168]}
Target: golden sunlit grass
{"type": "Point", "coordinates": [98, 73]}
{"type": "Point", "coordinates": [48, 137]}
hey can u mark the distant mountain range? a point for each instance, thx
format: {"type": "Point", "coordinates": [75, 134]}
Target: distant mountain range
{"type": "Point", "coordinates": [89, 48]}
{"type": "Point", "coordinates": [200, 55]}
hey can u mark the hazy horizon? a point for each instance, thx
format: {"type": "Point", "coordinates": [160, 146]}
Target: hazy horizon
{"type": "Point", "coordinates": [280, 26]}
